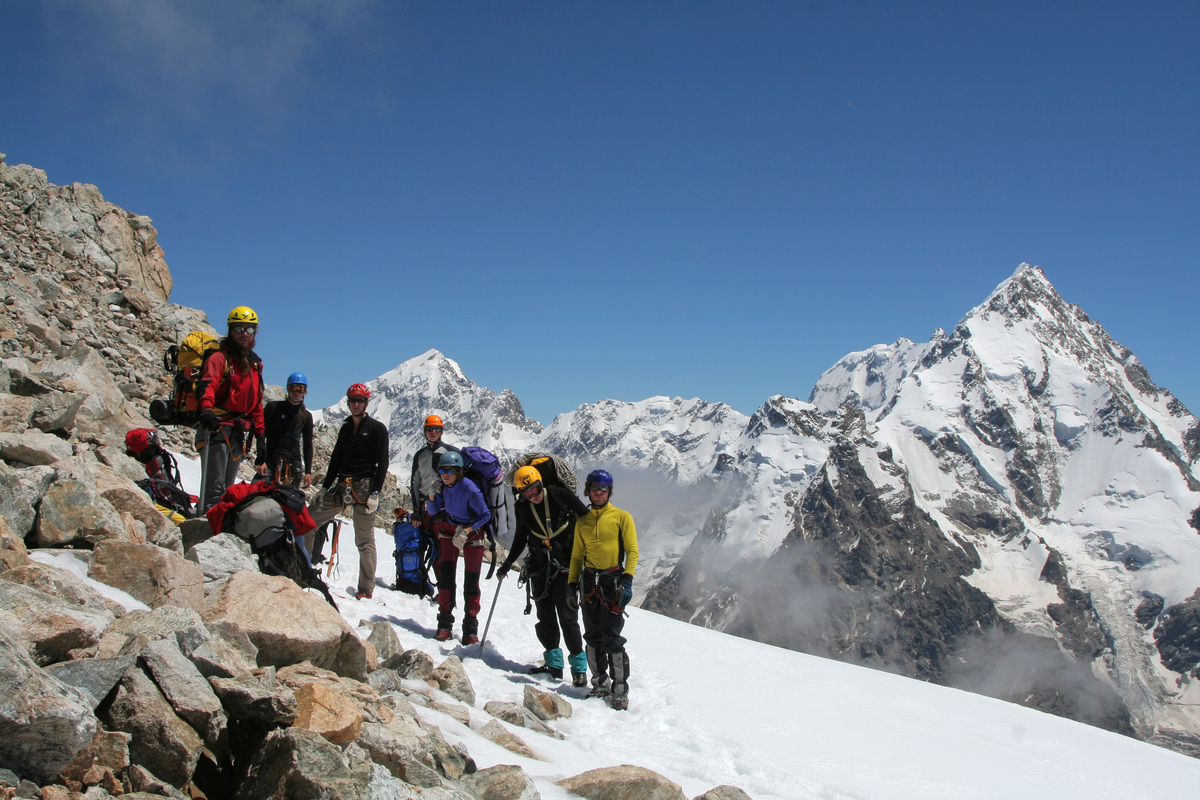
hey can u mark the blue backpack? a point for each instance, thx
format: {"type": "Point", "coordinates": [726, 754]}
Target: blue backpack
{"type": "Point", "coordinates": [414, 555]}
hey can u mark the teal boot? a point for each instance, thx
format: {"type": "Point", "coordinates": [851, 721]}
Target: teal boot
{"type": "Point", "coordinates": [553, 665]}
{"type": "Point", "coordinates": [578, 663]}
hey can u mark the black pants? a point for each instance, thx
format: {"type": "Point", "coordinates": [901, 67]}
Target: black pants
{"type": "Point", "coordinates": [553, 613]}
{"type": "Point", "coordinates": [603, 619]}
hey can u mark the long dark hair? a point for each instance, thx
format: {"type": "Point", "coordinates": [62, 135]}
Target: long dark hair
{"type": "Point", "coordinates": [235, 354]}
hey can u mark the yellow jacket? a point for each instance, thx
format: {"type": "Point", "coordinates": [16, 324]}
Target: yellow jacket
{"type": "Point", "coordinates": [599, 536]}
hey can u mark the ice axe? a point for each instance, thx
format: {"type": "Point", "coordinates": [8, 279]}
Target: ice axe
{"type": "Point", "coordinates": [492, 610]}
{"type": "Point", "coordinates": [202, 443]}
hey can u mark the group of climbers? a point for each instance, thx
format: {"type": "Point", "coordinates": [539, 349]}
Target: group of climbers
{"type": "Point", "coordinates": [581, 557]}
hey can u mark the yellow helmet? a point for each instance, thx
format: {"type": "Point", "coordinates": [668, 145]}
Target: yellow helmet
{"type": "Point", "coordinates": [526, 477]}
{"type": "Point", "coordinates": [243, 315]}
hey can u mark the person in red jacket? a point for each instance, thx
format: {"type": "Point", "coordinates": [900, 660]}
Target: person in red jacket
{"type": "Point", "coordinates": [231, 405]}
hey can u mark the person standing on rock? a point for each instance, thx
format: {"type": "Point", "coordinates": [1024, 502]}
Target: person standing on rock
{"type": "Point", "coordinates": [424, 483]}
{"type": "Point", "coordinates": [289, 425]}
{"type": "Point", "coordinates": [357, 469]}
{"type": "Point", "coordinates": [230, 405]}
{"type": "Point", "coordinates": [459, 517]}
{"type": "Point", "coordinates": [603, 560]}
{"type": "Point", "coordinates": [545, 521]}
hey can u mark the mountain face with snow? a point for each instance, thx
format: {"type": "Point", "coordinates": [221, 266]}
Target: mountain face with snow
{"type": "Point", "coordinates": [1011, 508]}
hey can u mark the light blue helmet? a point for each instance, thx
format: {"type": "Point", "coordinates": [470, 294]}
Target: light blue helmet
{"type": "Point", "coordinates": [297, 377]}
{"type": "Point", "coordinates": [450, 459]}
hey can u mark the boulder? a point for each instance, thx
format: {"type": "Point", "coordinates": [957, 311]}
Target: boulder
{"type": "Point", "coordinates": [44, 723]}
{"type": "Point", "coordinates": [413, 665]}
{"type": "Point", "coordinates": [56, 412]}
{"type": "Point", "coordinates": [50, 627]}
{"type": "Point", "coordinates": [517, 715]}
{"type": "Point", "coordinates": [83, 371]}
{"type": "Point", "coordinates": [723, 792]}
{"type": "Point", "coordinates": [21, 491]}
{"type": "Point", "coordinates": [256, 700]}
{"type": "Point", "coordinates": [546, 706]}
{"type": "Point", "coordinates": [289, 625]}
{"type": "Point", "coordinates": [152, 574]}
{"type": "Point", "coordinates": [387, 643]}
{"type": "Point", "coordinates": [132, 631]}
{"type": "Point", "coordinates": [73, 511]}
{"type": "Point", "coordinates": [452, 679]}
{"type": "Point", "coordinates": [494, 731]}
{"type": "Point", "coordinates": [162, 741]}
{"type": "Point", "coordinates": [109, 750]}
{"type": "Point", "coordinates": [297, 764]}
{"type": "Point", "coordinates": [33, 448]}
{"type": "Point", "coordinates": [220, 557]}
{"type": "Point", "coordinates": [625, 782]}
{"type": "Point", "coordinates": [126, 496]}
{"type": "Point", "coordinates": [15, 412]}
{"type": "Point", "coordinates": [12, 548]}
{"type": "Point", "coordinates": [187, 691]}
{"type": "Point", "coordinates": [412, 751]}
{"type": "Point", "coordinates": [327, 712]}
{"type": "Point", "coordinates": [61, 583]}
{"type": "Point", "coordinates": [95, 676]}
{"type": "Point", "coordinates": [502, 782]}
{"type": "Point", "coordinates": [227, 653]}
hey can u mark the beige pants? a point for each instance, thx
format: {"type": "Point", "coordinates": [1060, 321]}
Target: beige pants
{"type": "Point", "coordinates": [325, 508]}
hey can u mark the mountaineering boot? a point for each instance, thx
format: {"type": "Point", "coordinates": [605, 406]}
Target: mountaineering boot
{"type": "Point", "coordinates": [470, 638]}
{"type": "Point", "coordinates": [578, 662]}
{"type": "Point", "coordinates": [619, 665]}
{"type": "Point", "coordinates": [553, 665]}
{"type": "Point", "coordinates": [442, 634]}
{"type": "Point", "coordinates": [598, 664]}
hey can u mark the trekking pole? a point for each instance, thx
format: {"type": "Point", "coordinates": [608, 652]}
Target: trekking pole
{"type": "Point", "coordinates": [202, 436]}
{"type": "Point", "coordinates": [492, 610]}
{"type": "Point", "coordinates": [337, 528]}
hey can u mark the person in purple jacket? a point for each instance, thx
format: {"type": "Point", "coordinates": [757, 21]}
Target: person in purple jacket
{"type": "Point", "coordinates": [460, 518]}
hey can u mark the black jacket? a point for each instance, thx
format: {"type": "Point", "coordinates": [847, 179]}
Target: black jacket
{"type": "Point", "coordinates": [288, 432]}
{"type": "Point", "coordinates": [360, 454]}
{"type": "Point", "coordinates": [546, 537]}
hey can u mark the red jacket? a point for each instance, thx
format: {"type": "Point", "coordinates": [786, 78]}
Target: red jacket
{"type": "Point", "coordinates": [231, 391]}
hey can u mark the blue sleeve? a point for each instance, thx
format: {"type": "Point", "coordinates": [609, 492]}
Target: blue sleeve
{"type": "Point", "coordinates": [435, 505]}
{"type": "Point", "coordinates": [480, 514]}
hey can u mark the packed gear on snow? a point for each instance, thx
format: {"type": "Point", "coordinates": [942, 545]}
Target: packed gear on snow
{"type": "Point", "coordinates": [554, 470]}
{"type": "Point", "coordinates": [414, 556]}
{"type": "Point", "coordinates": [272, 518]}
{"type": "Point", "coordinates": [184, 360]}
{"type": "Point", "coordinates": [162, 481]}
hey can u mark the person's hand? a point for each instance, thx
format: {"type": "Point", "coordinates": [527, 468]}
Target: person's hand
{"type": "Point", "coordinates": [626, 589]}
{"type": "Point", "coordinates": [573, 596]}
{"type": "Point", "coordinates": [502, 570]}
{"type": "Point", "coordinates": [207, 419]}
{"type": "Point", "coordinates": [261, 469]}
{"type": "Point", "coordinates": [373, 502]}
{"type": "Point", "coordinates": [307, 480]}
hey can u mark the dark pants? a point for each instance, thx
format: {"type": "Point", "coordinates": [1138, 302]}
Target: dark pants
{"type": "Point", "coordinates": [224, 453]}
{"type": "Point", "coordinates": [447, 569]}
{"type": "Point", "coordinates": [553, 613]}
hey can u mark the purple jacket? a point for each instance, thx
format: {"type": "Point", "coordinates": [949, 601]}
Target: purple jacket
{"type": "Point", "coordinates": [463, 504]}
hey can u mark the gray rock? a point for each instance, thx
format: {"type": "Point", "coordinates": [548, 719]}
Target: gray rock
{"type": "Point", "coordinates": [43, 722]}
{"type": "Point", "coordinates": [723, 792]}
{"type": "Point", "coordinates": [625, 782]}
{"type": "Point", "coordinates": [50, 627]}
{"type": "Point", "coordinates": [21, 491]}
{"type": "Point", "coordinates": [502, 782]}
{"type": "Point", "coordinates": [387, 643]}
{"type": "Point", "coordinates": [33, 447]}
{"type": "Point", "coordinates": [162, 741]}
{"type": "Point", "coordinates": [414, 665]}
{"type": "Point", "coordinates": [15, 412]}
{"type": "Point", "coordinates": [295, 764]}
{"type": "Point", "coordinates": [187, 691]}
{"type": "Point", "coordinates": [546, 705]}
{"type": "Point", "coordinates": [220, 557]}
{"type": "Point", "coordinates": [453, 680]}
{"type": "Point", "coordinates": [152, 574]}
{"type": "Point", "coordinates": [96, 676]}
{"type": "Point", "coordinates": [254, 700]}
{"type": "Point", "coordinates": [146, 625]}
{"type": "Point", "coordinates": [412, 750]}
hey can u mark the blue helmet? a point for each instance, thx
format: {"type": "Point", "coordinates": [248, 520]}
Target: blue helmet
{"type": "Point", "coordinates": [297, 377]}
{"type": "Point", "coordinates": [599, 477]}
{"type": "Point", "coordinates": [450, 459]}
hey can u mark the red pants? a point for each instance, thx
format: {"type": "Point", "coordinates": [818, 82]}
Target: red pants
{"type": "Point", "coordinates": [447, 568]}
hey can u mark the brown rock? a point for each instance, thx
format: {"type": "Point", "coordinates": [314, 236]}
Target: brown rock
{"type": "Point", "coordinates": [328, 712]}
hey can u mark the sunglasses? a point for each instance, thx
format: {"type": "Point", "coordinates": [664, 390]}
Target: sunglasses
{"type": "Point", "coordinates": [437, 428]}
{"type": "Point", "coordinates": [446, 470]}
{"type": "Point", "coordinates": [297, 388]}
{"type": "Point", "coordinates": [243, 329]}
{"type": "Point", "coordinates": [356, 399]}
{"type": "Point", "coordinates": [599, 487]}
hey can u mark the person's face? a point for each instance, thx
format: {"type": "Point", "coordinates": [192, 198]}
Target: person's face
{"type": "Point", "coordinates": [433, 434]}
{"type": "Point", "coordinates": [296, 393]}
{"type": "Point", "coordinates": [534, 493]}
{"type": "Point", "coordinates": [358, 405]}
{"type": "Point", "coordinates": [448, 475]}
{"type": "Point", "coordinates": [598, 494]}
{"type": "Point", "coordinates": [243, 334]}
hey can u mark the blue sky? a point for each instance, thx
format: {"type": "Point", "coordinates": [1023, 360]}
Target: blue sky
{"type": "Point", "coordinates": [622, 199]}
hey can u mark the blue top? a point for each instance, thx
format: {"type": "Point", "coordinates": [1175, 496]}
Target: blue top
{"type": "Point", "coordinates": [463, 503]}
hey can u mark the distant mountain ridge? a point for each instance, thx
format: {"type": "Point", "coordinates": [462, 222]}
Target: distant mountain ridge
{"type": "Point", "coordinates": [1016, 493]}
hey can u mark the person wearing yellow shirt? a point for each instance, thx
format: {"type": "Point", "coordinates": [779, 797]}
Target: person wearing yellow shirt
{"type": "Point", "coordinates": [600, 582]}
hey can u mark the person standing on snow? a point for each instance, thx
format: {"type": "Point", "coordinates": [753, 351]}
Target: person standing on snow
{"type": "Point", "coordinates": [545, 520]}
{"type": "Point", "coordinates": [357, 468]}
{"type": "Point", "coordinates": [459, 517]}
{"type": "Point", "coordinates": [603, 561]}
{"type": "Point", "coordinates": [424, 483]}
{"type": "Point", "coordinates": [230, 405]}
{"type": "Point", "coordinates": [289, 425]}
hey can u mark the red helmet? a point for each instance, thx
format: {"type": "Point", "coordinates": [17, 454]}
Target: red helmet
{"type": "Point", "coordinates": [358, 390]}
{"type": "Point", "coordinates": [138, 439]}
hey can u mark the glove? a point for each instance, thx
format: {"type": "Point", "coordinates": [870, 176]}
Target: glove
{"type": "Point", "coordinates": [460, 537]}
{"type": "Point", "coordinates": [208, 420]}
{"type": "Point", "coordinates": [373, 502]}
{"type": "Point", "coordinates": [502, 570]}
{"type": "Point", "coordinates": [573, 596]}
{"type": "Point", "coordinates": [626, 590]}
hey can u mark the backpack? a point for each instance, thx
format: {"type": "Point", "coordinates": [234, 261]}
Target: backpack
{"type": "Point", "coordinates": [414, 556]}
{"type": "Point", "coordinates": [555, 471]}
{"type": "Point", "coordinates": [484, 470]}
{"type": "Point", "coordinates": [162, 482]}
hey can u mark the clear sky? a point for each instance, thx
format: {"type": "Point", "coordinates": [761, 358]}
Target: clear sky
{"type": "Point", "coordinates": [622, 199]}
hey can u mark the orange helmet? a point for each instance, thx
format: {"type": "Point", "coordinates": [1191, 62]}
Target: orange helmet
{"type": "Point", "coordinates": [358, 390]}
{"type": "Point", "coordinates": [433, 421]}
